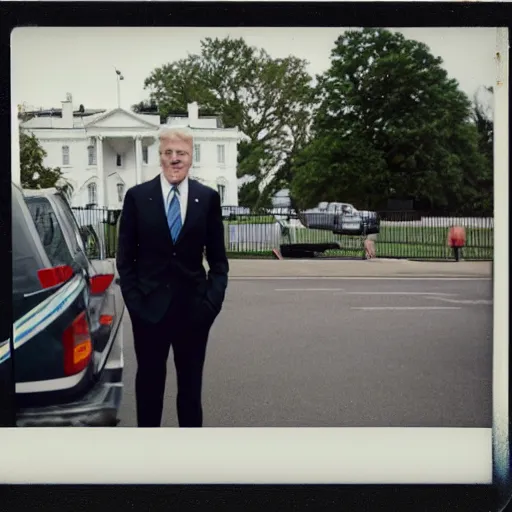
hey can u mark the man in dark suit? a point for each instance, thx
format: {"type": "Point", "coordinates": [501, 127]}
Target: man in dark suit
{"type": "Point", "coordinates": [167, 225]}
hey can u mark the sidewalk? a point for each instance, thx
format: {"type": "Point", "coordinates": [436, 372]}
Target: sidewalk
{"type": "Point", "coordinates": [357, 268]}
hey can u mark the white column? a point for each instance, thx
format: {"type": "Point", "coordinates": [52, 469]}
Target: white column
{"type": "Point", "coordinates": [138, 158]}
{"type": "Point", "coordinates": [102, 196]}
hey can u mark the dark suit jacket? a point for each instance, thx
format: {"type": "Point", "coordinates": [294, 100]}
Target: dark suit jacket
{"type": "Point", "coordinates": [155, 271]}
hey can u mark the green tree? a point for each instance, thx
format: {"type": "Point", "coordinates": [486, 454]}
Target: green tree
{"type": "Point", "coordinates": [34, 175]}
{"type": "Point", "coordinates": [390, 122]}
{"type": "Point", "coordinates": [145, 107]}
{"type": "Point", "coordinates": [249, 195]}
{"type": "Point", "coordinates": [268, 99]}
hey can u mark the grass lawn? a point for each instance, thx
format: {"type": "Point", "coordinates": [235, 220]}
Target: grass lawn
{"type": "Point", "coordinates": [251, 255]}
{"type": "Point", "coordinates": [391, 234]}
{"type": "Point", "coordinates": [264, 219]}
{"type": "Point", "coordinates": [383, 250]}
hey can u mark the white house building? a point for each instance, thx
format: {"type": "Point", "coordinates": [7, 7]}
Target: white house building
{"type": "Point", "coordinates": [103, 153]}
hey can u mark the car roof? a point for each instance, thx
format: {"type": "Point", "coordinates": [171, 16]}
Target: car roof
{"type": "Point", "coordinates": [39, 192]}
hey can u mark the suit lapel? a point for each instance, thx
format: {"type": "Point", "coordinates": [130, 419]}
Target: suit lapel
{"type": "Point", "coordinates": [193, 209]}
{"type": "Point", "coordinates": [156, 207]}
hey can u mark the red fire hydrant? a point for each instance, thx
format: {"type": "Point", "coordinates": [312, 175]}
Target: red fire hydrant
{"type": "Point", "coordinates": [456, 240]}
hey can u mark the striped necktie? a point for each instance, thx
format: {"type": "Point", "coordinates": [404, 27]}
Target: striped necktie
{"type": "Point", "coordinates": [174, 215]}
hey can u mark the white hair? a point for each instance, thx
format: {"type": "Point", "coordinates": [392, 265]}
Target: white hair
{"type": "Point", "coordinates": [177, 132]}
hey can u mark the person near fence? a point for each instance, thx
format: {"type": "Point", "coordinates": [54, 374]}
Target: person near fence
{"type": "Point", "coordinates": [369, 246]}
{"type": "Point", "coordinates": [167, 226]}
{"type": "Point", "coordinates": [456, 240]}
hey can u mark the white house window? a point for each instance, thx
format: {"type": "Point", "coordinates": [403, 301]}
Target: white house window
{"type": "Point", "coordinates": [222, 192]}
{"type": "Point", "coordinates": [91, 155]}
{"type": "Point", "coordinates": [197, 153]}
{"type": "Point", "coordinates": [91, 189]}
{"type": "Point", "coordinates": [145, 154]}
{"type": "Point", "coordinates": [119, 161]}
{"type": "Point", "coordinates": [221, 157]}
{"type": "Point", "coordinates": [120, 192]}
{"type": "Point", "coordinates": [65, 155]}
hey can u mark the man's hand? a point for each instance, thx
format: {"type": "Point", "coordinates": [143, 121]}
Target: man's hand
{"type": "Point", "coordinates": [126, 259]}
{"type": "Point", "coordinates": [216, 257]}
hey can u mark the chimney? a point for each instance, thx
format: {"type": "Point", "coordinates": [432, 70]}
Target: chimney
{"type": "Point", "coordinates": [67, 111]}
{"type": "Point", "coordinates": [193, 112]}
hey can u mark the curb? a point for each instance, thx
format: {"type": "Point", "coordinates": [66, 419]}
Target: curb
{"type": "Point", "coordinates": [476, 277]}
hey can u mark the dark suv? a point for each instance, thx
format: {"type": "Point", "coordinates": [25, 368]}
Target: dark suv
{"type": "Point", "coordinates": [67, 312]}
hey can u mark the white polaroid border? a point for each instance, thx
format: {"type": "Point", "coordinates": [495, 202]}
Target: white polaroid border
{"type": "Point", "coordinates": [500, 367]}
{"type": "Point", "coordinates": [292, 455]}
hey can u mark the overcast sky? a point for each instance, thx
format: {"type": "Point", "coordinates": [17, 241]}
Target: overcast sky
{"type": "Point", "coordinates": [48, 62]}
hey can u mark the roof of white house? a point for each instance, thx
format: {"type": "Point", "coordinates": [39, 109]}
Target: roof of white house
{"type": "Point", "coordinates": [82, 122]}
{"type": "Point", "coordinates": [49, 122]}
{"type": "Point", "coordinates": [144, 118]}
{"type": "Point", "coordinates": [52, 119]}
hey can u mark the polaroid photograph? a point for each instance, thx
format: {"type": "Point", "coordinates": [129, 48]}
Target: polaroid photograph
{"type": "Point", "coordinates": [274, 247]}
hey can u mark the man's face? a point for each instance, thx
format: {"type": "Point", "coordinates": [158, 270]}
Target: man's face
{"type": "Point", "coordinates": [175, 159]}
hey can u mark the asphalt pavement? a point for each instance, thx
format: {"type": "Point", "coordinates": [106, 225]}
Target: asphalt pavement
{"type": "Point", "coordinates": [343, 352]}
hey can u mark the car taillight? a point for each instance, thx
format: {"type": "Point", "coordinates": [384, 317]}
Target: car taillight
{"type": "Point", "coordinates": [77, 345]}
{"type": "Point", "coordinates": [100, 283]}
{"type": "Point", "coordinates": [49, 277]}
{"type": "Point", "coordinates": [106, 319]}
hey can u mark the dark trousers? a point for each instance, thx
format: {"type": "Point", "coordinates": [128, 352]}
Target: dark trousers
{"type": "Point", "coordinates": [456, 253]}
{"type": "Point", "coordinates": [152, 345]}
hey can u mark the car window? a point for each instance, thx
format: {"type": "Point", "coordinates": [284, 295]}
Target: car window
{"type": "Point", "coordinates": [85, 243]}
{"type": "Point", "coordinates": [26, 258]}
{"type": "Point", "coordinates": [91, 242]}
{"type": "Point", "coordinates": [27, 255]}
{"type": "Point", "coordinates": [49, 231]}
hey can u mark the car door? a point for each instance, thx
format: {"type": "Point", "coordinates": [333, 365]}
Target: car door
{"type": "Point", "coordinates": [105, 304]}
{"type": "Point", "coordinates": [48, 313]}
{"type": "Point", "coordinates": [7, 390]}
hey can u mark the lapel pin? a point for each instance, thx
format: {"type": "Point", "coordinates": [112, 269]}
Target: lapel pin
{"type": "Point", "coordinates": [151, 199]}
{"type": "Point", "coordinates": [197, 200]}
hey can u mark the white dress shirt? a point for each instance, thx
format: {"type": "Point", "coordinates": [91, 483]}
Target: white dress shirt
{"type": "Point", "coordinates": [168, 194]}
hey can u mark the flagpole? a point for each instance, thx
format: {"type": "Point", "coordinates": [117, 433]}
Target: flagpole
{"type": "Point", "coordinates": [118, 93]}
{"type": "Point", "coordinates": [119, 78]}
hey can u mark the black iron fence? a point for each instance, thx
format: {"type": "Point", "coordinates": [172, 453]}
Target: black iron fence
{"type": "Point", "coordinates": [411, 235]}
{"type": "Point", "coordinates": [103, 222]}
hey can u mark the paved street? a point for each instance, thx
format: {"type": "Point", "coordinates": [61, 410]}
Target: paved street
{"type": "Point", "coordinates": [343, 352]}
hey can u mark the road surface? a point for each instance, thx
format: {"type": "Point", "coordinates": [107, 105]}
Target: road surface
{"type": "Point", "coordinates": [347, 352]}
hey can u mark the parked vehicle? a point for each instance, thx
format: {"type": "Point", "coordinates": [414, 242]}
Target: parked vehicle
{"type": "Point", "coordinates": [7, 398]}
{"type": "Point", "coordinates": [231, 212]}
{"type": "Point", "coordinates": [341, 218]}
{"type": "Point", "coordinates": [67, 314]}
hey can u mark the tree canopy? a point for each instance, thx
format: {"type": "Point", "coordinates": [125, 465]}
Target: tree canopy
{"type": "Point", "coordinates": [389, 123]}
{"type": "Point", "coordinates": [35, 175]}
{"type": "Point", "coordinates": [268, 99]}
